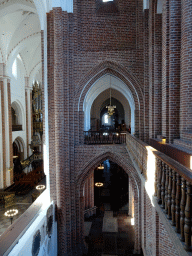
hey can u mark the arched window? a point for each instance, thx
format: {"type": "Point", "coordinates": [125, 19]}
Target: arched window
{"type": "Point", "coordinates": [106, 118]}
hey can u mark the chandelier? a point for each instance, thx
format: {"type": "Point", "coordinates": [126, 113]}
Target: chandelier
{"type": "Point", "coordinates": [111, 109]}
{"type": "Point", "coordinates": [101, 167]}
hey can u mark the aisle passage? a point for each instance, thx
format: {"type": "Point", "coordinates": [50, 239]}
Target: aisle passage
{"type": "Point", "coordinates": [111, 233]}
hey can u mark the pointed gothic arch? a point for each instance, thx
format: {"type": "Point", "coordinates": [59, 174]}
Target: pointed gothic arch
{"type": "Point", "coordinates": [87, 170]}
{"type": "Point", "coordinates": [131, 86]}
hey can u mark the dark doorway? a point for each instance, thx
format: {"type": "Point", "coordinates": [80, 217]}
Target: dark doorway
{"type": "Point", "coordinates": [115, 187]}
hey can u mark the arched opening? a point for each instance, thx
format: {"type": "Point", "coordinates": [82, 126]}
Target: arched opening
{"type": "Point", "coordinates": [114, 191]}
{"type": "Point", "coordinates": [18, 148]}
{"type": "Point", "coordinates": [98, 94]}
{"type": "Point", "coordinates": [111, 122]}
{"type": "Point", "coordinates": [121, 170]}
{"type": "Point", "coordinates": [17, 117]}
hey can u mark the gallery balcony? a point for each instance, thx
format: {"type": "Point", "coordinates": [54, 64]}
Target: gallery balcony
{"type": "Point", "coordinates": [104, 137]}
{"type": "Point", "coordinates": [16, 127]}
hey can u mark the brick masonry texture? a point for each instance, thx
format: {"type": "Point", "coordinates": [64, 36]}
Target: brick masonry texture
{"type": "Point", "coordinates": [139, 48]}
{"type": "Point", "coordinates": [186, 67]}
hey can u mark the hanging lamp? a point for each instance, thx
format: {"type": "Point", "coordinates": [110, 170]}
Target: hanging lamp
{"type": "Point", "coordinates": [101, 167]}
{"type": "Point", "coordinates": [111, 109]}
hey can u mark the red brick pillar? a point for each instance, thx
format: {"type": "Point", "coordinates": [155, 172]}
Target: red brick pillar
{"type": "Point", "coordinates": [146, 75]}
{"type": "Point", "coordinates": [165, 69]}
{"type": "Point", "coordinates": [157, 74]}
{"type": "Point", "coordinates": [186, 70]}
{"type": "Point", "coordinates": [151, 68]}
{"type": "Point", "coordinates": [86, 194]}
{"type": "Point", "coordinates": [89, 194]}
{"type": "Point", "coordinates": [174, 67]}
{"type": "Point", "coordinates": [92, 190]}
{"type": "Point", "coordinates": [58, 113]}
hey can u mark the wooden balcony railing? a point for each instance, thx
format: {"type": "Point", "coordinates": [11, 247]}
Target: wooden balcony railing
{"type": "Point", "coordinates": [107, 137]}
{"type": "Point", "coordinates": [173, 186]}
{"type": "Point", "coordinates": [173, 189]}
{"type": "Point", "coordinates": [16, 127]}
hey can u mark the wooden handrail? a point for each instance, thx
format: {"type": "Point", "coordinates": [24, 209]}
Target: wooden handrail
{"type": "Point", "coordinates": [173, 187]}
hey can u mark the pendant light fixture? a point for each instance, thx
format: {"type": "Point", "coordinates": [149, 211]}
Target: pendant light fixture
{"type": "Point", "coordinates": [101, 167]}
{"type": "Point", "coordinates": [111, 109]}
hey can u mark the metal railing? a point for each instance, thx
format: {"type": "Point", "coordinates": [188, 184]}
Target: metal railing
{"type": "Point", "coordinates": [104, 137]}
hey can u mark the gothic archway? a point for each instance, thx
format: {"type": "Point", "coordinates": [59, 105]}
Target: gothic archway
{"type": "Point", "coordinates": [131, 87]}
{"type": "Point", "coordinates": [135, 181]}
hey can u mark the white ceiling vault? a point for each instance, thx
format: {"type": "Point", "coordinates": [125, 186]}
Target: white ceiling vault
{"type": "Point", "coordinates": [20, 35]}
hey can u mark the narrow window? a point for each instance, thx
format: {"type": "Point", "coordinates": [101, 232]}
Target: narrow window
{"type": "Point", "coordinates": [106, 119]}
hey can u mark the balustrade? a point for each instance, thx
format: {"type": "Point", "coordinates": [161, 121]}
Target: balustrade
{"type": "Point", "coordinates": [174, 194]}
{"type": "Point", "coordinates": [104, 137]}
{"type": "Point", "coordinates": [173, 186]}
{"type": "Point", "coordinates": [187, 227]}
{"type": "Point", "coordinates": [182, 212]}
{"type": "Point", "coordinates": [169, 195]}
{"type": "Point", "coordinates": [166, 188]}
{"type": "Point", "coordinates": [163, 186]}
{"type": "Point", "coordinates": [159, 174]}
{"type": "Point", "coordinates": [178, 199]}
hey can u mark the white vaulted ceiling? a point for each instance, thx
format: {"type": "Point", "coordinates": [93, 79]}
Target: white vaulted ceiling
{"type": "Point", "coordinates": [20, 34]}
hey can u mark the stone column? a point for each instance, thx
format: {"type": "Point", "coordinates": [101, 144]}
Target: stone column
{"type": "Point", "coordinates": [186, 70]}
{"type": "Point", "coordinates": [28, 104]}
{"type": "Point", "coordinates": [6, 155]}
{"type": "Point", "coordinates": [174, 67]}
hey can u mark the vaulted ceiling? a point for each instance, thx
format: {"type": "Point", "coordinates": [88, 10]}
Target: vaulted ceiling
{"type": "Point", "coordinates": [20, 34]}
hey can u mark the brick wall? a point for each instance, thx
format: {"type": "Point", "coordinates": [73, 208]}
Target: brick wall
{"type": "Point", "coordinates": [166, 246]}
{"type": "Point", "coordinates": [186, 70]}
{"type": "Point", "coordinates": [174, 67]}
{"type": "Point", "coordinates": [82, 47]}
{"type": "Point", "coordinates": [165, 69]}
{"type": "Point", "coordinates": [157, 74]}
{"type": "Point", "coordinates": [146, 74]}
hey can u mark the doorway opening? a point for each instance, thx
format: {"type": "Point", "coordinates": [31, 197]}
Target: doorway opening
{"type": "Point", "coordinates": [110, 231]}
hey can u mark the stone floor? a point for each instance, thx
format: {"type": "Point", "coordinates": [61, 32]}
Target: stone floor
{"type": "Point", "coordinates": [110, 234]}
{"type": "Point", "coordinates": [21, 203]}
